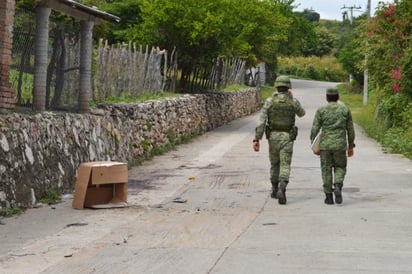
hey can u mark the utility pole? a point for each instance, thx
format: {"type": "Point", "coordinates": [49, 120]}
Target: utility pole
{"type": "Point", "coordinates": [351, 9]}
{"type": "Point", "coordinates": [365, 72]}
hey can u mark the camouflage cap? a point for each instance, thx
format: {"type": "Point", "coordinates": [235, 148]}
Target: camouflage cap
{"type": "Point", "coordinates": [283, 81]}
{"type": "Point", "coordinates": [332, 91]}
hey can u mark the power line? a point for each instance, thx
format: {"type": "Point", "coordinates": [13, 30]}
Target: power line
{"type": "Point", "coordinates": [351, 9]}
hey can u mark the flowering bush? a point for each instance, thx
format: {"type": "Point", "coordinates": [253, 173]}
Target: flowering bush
{"type": "Point", "coordinates": [388, 47]}
{"type": "Point", "coordinates": [388, 43]}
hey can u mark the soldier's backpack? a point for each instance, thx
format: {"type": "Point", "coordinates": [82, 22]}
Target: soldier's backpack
{"type": "Point", "coordinates": [281, 113]}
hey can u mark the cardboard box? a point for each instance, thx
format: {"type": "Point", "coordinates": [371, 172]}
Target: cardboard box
{"type": "Point", "coordinates": [101, 185]}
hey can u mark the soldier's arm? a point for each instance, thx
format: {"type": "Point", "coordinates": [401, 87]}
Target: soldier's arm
{"type": "Point", "coordinates": [350, 130]}
{"type": "Point", "coordinates": [299, 110]}
{"type": "Point", "coordinates": [261, 124]}
{"type": "Point", "coordinates": [315, 125]}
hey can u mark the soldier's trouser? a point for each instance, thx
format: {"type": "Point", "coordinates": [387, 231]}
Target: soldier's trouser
{"type": "Point", "coordinates": [280, 156]}
{"type": "Point", "coordinates": [333, 166]}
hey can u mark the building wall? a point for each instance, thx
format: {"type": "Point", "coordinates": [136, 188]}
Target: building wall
{"type": "Point", "coordinates": [7, 8]}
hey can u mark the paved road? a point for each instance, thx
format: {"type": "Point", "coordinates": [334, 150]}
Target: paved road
{"type": "Point", "coordinates": [205, 208]}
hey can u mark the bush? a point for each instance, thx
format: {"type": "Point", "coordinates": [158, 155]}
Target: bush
{"type": "Point", "coordinates": [395, 138]}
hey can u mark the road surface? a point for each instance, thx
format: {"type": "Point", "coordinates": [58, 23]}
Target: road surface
{"type": "Point", "coordinates": [205, 208]}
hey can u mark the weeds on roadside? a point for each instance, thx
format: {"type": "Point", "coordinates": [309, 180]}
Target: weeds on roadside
{"type": "Point", "coordinates": [394, 139]}
{"type": "Point", "coordinates": [7, 212]}
{"type": "Point", "coordinates": [51, 197]}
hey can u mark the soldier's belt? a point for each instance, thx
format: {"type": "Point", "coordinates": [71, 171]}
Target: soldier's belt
{"type": "Point", "coordinates": [280, 129]}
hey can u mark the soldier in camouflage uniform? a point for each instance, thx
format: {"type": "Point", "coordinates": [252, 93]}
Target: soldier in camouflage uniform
{"type": "Point", "coordinates": [277, 120]}
{"type": "Point", "coordinates": [334, 120]}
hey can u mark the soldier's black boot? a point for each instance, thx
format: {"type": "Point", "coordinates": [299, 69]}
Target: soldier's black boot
{"type": "Point", "coordinates": [275, 188]}
{"type": "Point", "coordinates": [329, 199]}
{"type": "Point", "coordinates": [281, 193]}
{"type": "Point", "coordinates": [338, 193]}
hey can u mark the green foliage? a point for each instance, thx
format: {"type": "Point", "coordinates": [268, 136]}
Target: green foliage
{"type": "Point", "coordinates": [267, 91]}
{"type": "Point", "coordinates": [234, 88]}
{"type": "Point", "coordinates": [396, 110]}
{"type": "Point", "coordinates": [324, 44]}
{"type": "Point", "coordinates": [406, 80]}
{"type": "Point", "coordinates": [146, 149]}
{"type": "Point", "coordinates": [26, 4]}
{"type": "Point", "coordinates": [354, 86]}
{"type": "Point", "coordinates": [127, 97]}
{"type": "Point", "coordinates": [326, 68]}
{"type": "Point", "coordinates": [396, 139]}
{"type": "Point", "coordinates": [301, 36]}
{"type": "Point", "coordinates": [50, 197]}
{"type": "Point", "coordinates": [387, 44]}
{"type": "Point", "coordinates": [129, 12]}
{"type": "Point", "coordinates": [351, 61]}
{"type": "Point", "coordinates": [311, 15]}
{"type": "Point", "coordinates": [203, 30]}
{"type": "Point", "coordinates": [346, 45]}
{"type": "Point", "coordinates": [148, 125]}
{"type": "Point", "coordinates": [171, 136]}
{"type": "Point", "coordinates": [26, 84]}
{"type": "Point", "coordinates": [7, 212]}
{"type": "Point", "coordinates": [310, 72]}
{"type": "Point", "coordinates": [384, 42]}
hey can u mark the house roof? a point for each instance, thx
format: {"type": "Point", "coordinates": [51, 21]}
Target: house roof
{"type": "Point", "coordinates": [78, 10]}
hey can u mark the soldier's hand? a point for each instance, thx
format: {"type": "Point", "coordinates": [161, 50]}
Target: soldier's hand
{"type": "Point", "coordinates": [256, 145]}
{"type": "Point", "coordinates": [290, 92]}
{"type": "Point", "coordinates": [317, 152]}
{"type": "Point", "coordinates": [350, 152]}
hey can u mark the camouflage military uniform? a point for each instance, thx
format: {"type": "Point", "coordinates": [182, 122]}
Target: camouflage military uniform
{"type": "Point", "coordinates": [337, 135]}
{"type": "Point", "coordinates": [278, 126]}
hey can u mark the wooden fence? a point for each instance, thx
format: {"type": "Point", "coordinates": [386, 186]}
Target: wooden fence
{"type": "Point", "coordinates": [126, 68]}
{"type": "Point", "coordinates": [219, 74]}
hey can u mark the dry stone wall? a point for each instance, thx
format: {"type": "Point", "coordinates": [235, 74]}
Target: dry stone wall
{"type": "Point", "coordinates": [43, 151]}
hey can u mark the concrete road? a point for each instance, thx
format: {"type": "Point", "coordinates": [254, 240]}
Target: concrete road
{"type": "Point", "coordinates": [205, 208]}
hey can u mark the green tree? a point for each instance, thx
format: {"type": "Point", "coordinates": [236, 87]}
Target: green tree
{"type": "Point", "coordinates": [311, 15]}
{"type": "Point", "coordinates": [325, 42]}
{"type": "Point", "coordinates": [129, 13]}
{"type": "Point", "coordinates": [203, 30]}
{"type": "Point", "coordinates": [301, 34]}
{"type": "Point", "coordinates": [350, 55]}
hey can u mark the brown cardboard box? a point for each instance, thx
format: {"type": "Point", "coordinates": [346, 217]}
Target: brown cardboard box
{"type": "Point", "coordinates": [101, 185]}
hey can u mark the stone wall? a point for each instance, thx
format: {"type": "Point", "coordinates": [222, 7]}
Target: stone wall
{"type": "Point", "coordinates": [43, 151]}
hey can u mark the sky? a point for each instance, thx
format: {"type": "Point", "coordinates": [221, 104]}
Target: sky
{"type": "Point", "coordinates": [332, 9]}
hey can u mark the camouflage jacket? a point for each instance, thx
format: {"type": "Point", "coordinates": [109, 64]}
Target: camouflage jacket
{"type": "Point", "coordinates": [335, 122]}
{"type": "Point", "coordinates": [263, 119]}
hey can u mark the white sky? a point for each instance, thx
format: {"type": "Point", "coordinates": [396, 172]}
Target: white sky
{"type": "Point", "coordinates": [332, 9]}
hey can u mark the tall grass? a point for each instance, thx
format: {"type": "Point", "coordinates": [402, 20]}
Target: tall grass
{"type": "Point", "coordinates": [325, 68]}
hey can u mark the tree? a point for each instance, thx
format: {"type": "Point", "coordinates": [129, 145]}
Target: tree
{"type": "Point", "coordinates": [129, 12]}
{"type": "Point", "coordinates": [203, 30]}
{"type": "Point", "coordinates": [350, 55]}
{"type": "Point", "coordinates": [311, 15]}
{"type": "Point", "coordinates": [326, 42]}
